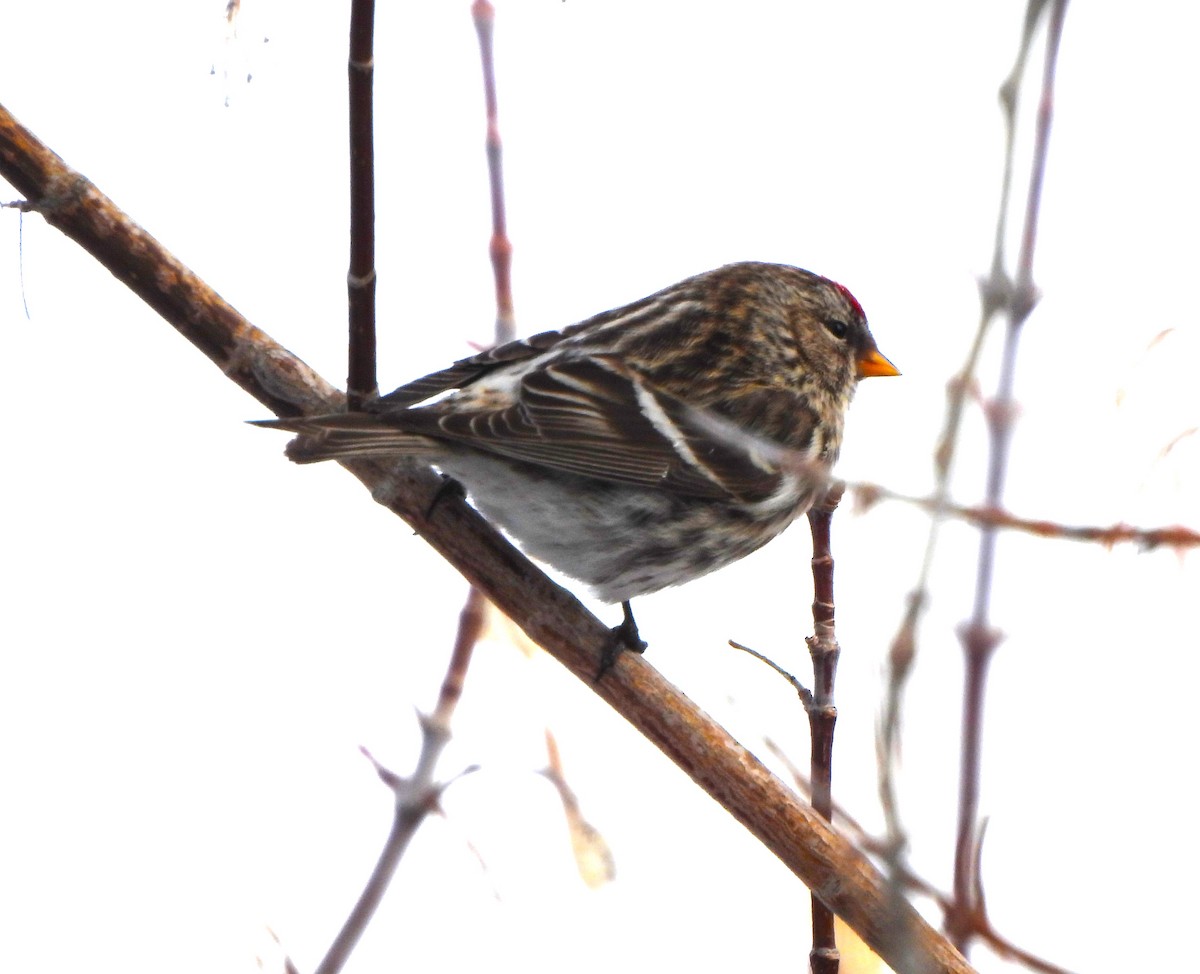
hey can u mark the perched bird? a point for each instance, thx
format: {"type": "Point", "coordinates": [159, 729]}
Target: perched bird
{"type": "Point", "coordinates": [648, 445]}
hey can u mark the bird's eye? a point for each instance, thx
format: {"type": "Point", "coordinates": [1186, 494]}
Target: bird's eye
{"type": "Point", "coordinates": [837, 328]}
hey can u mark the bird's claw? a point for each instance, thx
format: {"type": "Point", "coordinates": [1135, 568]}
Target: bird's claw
{"type": "Point", "coordinates": [621, 638]}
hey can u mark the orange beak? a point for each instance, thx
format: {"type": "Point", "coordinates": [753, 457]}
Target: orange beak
{"type": "Point", "coordinates": [872, 363]}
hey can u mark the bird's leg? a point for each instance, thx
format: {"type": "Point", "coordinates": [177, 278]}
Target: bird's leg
{"type": "Point", "coordinates": [622, 637]}
{"type": "Point", "coordinates": [449, 487]}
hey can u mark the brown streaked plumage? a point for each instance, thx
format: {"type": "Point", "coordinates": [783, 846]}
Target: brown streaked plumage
{"type": "Point", "coordinates": [645, 446]}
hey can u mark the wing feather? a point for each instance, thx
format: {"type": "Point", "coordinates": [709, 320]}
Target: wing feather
{"type": "Point", "coordinates": [466, 371]}
{"type": "Point", "coordinates": [595, 417]}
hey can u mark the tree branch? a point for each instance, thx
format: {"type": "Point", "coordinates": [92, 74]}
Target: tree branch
{"type": "Point", "coordinates": [828, 863]}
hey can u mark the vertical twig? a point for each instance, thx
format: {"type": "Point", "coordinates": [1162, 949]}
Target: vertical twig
{"type": "Point", "coordinates": [500, 247]}
{"type": "Point", "coordinates": [994, 290]}
{"type": "Point", "coordinates": [822, 714]}
{"type": "Point", "coordinates": [979, 638]}
{"type": "Point", "coordinates": [415, 797]}
{"type": "Point", "coordinates": [361, 383]}
{"type": "Point", "coordinates": [418, 795]}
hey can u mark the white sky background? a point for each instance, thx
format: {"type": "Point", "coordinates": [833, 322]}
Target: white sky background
{"type": "Point", "coordinates": [197, 635]}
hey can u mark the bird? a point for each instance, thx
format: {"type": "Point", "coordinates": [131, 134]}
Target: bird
{"type": "Point", "coordinates": [645, 446]}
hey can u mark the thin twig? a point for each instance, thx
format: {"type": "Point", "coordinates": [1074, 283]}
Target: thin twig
{"type": "Point", "coordinates": [1176, 536]}
{"type": "Point", "coordinates": [803, 692]}
{"type": "Point", "coordinates": [361, 383]}
{"type": "Point", "coordinates": [902, 652]}
{"type": "Point", "coordinates": [417, 796]}
{"type": "Point", "coordinates": [500, 247]}
{"type": "Point", "coordinates": [993, 291]}
{"type": "Point", "coordinates": [822, 714]}
{"type": "Point", "coordinates": [979, 638]}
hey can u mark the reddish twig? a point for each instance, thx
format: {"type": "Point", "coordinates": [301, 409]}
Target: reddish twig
{"type": "Point", "coordinates": [361, 382]}
{"type": "Point", "coordinates": [822, 714]}
{"type": "Point", "coordinates": [979, 638]}
{"type": "Point", "coordinates": [1176, 536]}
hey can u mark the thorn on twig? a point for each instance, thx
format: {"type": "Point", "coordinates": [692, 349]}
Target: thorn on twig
{"type": "Point", "coordinates": [434, 728]}
{"type": "Point", "coordinates": [394, 781]}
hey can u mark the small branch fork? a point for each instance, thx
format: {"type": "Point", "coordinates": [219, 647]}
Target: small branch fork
{"type": "Point", "coordinates": [823, 648]}
{"type": "Point", "coordinates": [416, 796]}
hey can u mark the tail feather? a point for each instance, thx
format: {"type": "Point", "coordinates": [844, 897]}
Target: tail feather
{"type": "Point", "coordinates": [341, 436]}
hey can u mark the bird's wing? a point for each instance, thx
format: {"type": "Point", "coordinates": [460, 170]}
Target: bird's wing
{"type": "Point", "coordinates": [596, 417]}
{"type": "Point", "coordinates": [466, 371]}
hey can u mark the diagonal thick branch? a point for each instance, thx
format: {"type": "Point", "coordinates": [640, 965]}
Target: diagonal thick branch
{"type": "Point", "coordinates": [828, 863]}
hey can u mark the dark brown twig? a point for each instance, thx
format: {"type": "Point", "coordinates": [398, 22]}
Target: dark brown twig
{"type": "Point", "coordinates": [979, 638]}
{"type": "Point", "coordinates": [361, 383]}
{"type": "Point", "coordinates": [822, 714]}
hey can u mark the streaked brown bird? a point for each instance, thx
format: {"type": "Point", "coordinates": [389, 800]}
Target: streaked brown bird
{"type": "Point", "coordinates": [648, 445]}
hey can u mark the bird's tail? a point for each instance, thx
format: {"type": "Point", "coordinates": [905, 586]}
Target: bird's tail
{"type": "Point", "coordinates": [340, 436]}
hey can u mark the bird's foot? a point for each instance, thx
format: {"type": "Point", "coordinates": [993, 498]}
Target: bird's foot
{"type": "Point", "coordinates": [621, 638]}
